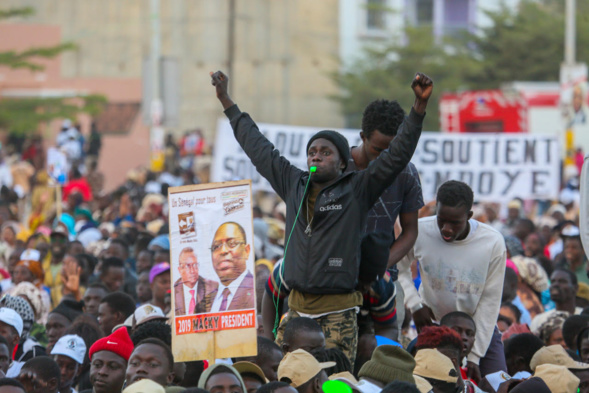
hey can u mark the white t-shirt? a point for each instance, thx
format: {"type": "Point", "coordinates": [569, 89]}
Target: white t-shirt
{"type": "Point", "coordinates": [72, 149]}
{"type": "Point", "coordinates": [465, 275]}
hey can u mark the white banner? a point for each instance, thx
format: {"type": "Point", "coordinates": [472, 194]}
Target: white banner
{"type": "Point", "coordinates": [498, 167]}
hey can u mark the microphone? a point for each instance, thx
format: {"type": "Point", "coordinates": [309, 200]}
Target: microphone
{"type": "Point", "coordinates": [277, 319]}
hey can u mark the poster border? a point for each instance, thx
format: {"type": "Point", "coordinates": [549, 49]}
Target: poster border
{"type": "Point", "coordinates": [213, 344]}
{"type": "Point", "coordinates": [209, 186]}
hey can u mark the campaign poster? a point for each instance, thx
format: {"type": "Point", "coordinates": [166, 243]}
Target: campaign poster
{"type": "Point", "coordinates": [574, 99]}
{"type": "Point", "coordinates": [212, 269]}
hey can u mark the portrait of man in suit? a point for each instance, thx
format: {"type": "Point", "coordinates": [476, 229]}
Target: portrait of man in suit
{"type": "Point", "coordinates": [230, 252]}
{"type": "Point", "coordinates": [193, 294]}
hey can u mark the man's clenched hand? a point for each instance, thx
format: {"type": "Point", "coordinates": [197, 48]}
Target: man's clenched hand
{"type": "Point", "coordinates": [422, 86]}
{"type": "Point", "coordinates": [221, 83]}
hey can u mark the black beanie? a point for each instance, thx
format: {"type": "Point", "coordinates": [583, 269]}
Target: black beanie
{"type": "Point", "coordinates": [340, 142]}
{"type": "Point", "coordinates": [70, 309]}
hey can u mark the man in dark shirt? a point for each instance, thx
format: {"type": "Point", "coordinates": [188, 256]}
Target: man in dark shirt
{"type": "Point", "coordinates": [380, 121]}
{"type": "Point", "coordinates": [322, 258]}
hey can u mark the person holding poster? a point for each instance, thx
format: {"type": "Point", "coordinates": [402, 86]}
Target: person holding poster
{"type": "Point", "coordinates": [326, 211]}
{"type": "Point", "coordinates": [230, 252]}
{"type": "Point", "coordinates": [192, 289]}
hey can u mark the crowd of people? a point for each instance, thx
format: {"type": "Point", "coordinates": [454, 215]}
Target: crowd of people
{"type": "Point", "coordinates": [360, 284]}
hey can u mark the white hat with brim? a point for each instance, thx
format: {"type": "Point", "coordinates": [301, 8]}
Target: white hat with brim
{"type": "Point", "coordinates": [144, 313]}
{"type": "Point", "coordinates": [72, 346]}
{"type": "Point", "coordinates": [11, 318]}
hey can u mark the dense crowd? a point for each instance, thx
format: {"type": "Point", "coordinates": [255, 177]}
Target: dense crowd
{"type": "Point", "coordinates": [452, 295]}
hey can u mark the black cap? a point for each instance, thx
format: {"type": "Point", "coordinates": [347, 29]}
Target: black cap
{"type": "Point", "coordinates": [70, 308]}
{"type": "Point", "coordinates": [534, 384]}
{"type": "Point", "coordinates": [340, 142]}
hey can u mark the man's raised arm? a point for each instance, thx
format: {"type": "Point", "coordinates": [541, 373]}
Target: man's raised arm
{"type": "Point", "coordinates": [384, 170]}
{"type": "Point", "coordinates": [268, 162]}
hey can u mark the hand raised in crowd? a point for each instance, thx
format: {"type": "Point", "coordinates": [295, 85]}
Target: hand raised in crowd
{"type": "Point", "coordinates": [423, 317]}
{"type": "Point", "coordinates": [221, 83]}
{"type": "Point", "coordinates": [70, 277]}
{"type": "Point", "coordinates": [423, 87]}
{"type": "Point", "coordinates": [31, 381]}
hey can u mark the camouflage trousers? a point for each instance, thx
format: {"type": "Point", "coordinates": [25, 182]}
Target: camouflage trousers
{"type": "Point", "coordinates": [340, 330]}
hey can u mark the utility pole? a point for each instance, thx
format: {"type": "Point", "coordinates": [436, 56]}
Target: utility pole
{"type": "Point", "coordinates": [569, 33]}
{"type": "Point", "coordinates": [231, 43]}
{"type": "Point", "coordinates": [156, 132]}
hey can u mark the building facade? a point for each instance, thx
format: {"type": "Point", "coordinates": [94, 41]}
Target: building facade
{"type": "Point", "coordinates": [374, 22]}
{"type": "Point", "coordinates": [279, 55]}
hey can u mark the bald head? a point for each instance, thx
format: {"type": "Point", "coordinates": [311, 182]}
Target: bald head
{"type": "Point", "coordinates": [230, 252]}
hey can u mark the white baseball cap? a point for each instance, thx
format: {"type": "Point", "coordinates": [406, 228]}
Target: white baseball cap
{"type": "Point", "coordinates": [571, 231]}
{"type": "Point", "coordinates": [11, 317]}
{"type": "Point", "coordinates": [72, 346]}
{"type": "Point", "coordinates": [144, 313]}
{"type": "Point", "coordinates": [30, 254]}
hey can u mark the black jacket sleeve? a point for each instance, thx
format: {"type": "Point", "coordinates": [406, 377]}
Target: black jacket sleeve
{"type": "Point", "coordinates": [268, 162]}
{"type": "Point", "coordinates": [381, 173]}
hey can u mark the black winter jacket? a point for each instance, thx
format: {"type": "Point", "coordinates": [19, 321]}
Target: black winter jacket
{"type": "Point", "coordinates": [327, 262]}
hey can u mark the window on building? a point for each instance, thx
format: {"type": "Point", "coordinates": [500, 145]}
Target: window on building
{"type": "Point", "coordinates": [456, 17]}
{"type": "Point", "coordinates": [376, 14]}
{"type": "Point", "coordinates": [424, 12]}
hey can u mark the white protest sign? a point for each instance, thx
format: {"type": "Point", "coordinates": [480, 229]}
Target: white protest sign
{"type": "Point", "coordinates": [498, 167]}
{"type": "Point", "coordinates": [57, 165]}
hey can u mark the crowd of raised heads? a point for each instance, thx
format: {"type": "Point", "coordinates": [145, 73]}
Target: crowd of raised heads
{"type": "Point", "coordinates": [86, 284]}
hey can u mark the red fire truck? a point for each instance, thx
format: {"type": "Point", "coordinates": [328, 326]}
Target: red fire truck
{"type": "Point", "coordinates": [519, 107]}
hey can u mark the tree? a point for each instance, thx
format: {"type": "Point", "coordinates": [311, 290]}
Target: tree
{"type": "Point", "coordinates": [387, 72]}
{"type": "Point", "coordinates": [525, 44]}
{"type": "Point", "coordinates": [24, 115]}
